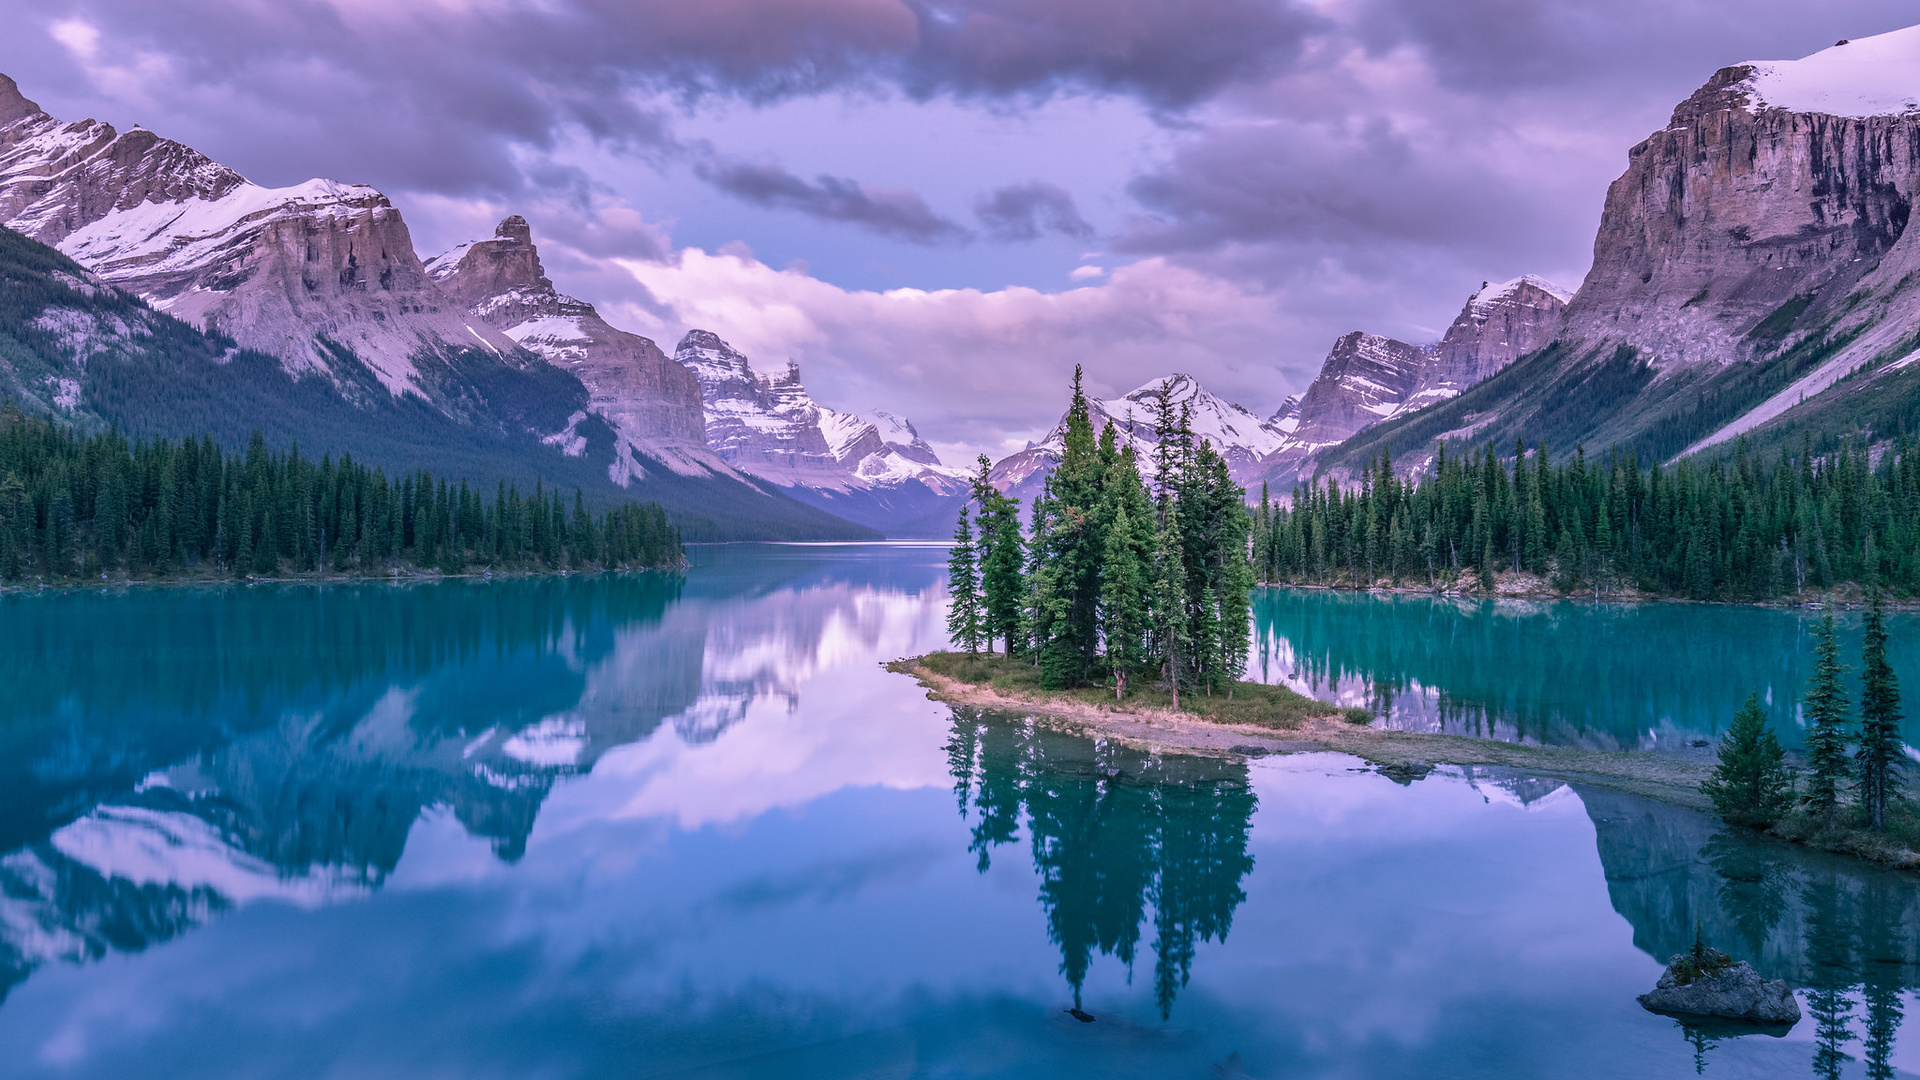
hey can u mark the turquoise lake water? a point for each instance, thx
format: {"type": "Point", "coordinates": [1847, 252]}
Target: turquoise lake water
{"type": "Point", "coordinates": [1647, 676]}
{"type": "Point", "coordinates": [661, 826]}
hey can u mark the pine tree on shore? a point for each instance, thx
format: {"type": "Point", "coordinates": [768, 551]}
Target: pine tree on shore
{"type": "Point", "coordinates": [963, 588]}
{"type": "Point", "coordinates": [1880, 753]}
{"type": "Point", "coordinates": [1750, 786]}
{"type": "Point", "coordinates": [1170, 604]}
{"type": "Point", "coordinates": [1001, 556]}
{"type": "Point", "coordinates": [1826, 719]}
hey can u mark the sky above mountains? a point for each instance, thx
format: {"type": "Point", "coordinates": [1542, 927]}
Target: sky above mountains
{"type": "Point", "coordinates": [939, 208]}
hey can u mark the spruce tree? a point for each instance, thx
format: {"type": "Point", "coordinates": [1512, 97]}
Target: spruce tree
{"type": "Point", "coordinates": [1826, 719]}
{"type": "Point", "coordinates": [963, 587]}
{"type": "Point", "coordinates": [1750, 786]}
{"type": "Point", "coordinates": [1126, 572]}
{"type": "Point", "coordinates": [1171, 625]}
{"type": "Point", "coordinates": [1001, 558]}
{"type": "Point", "coordinates": [1880, 747]}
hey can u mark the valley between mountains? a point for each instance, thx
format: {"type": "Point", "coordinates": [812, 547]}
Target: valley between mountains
{"type": "Point", "coordinates": [1754, 282]}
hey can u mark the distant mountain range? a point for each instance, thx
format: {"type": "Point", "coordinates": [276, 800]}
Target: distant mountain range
{"type": "Point", "coordinates": [306, 313]}
{"type": "Point", "coordinates": [1754, 276]}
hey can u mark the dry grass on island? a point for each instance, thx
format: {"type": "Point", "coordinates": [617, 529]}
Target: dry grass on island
{"type": "Point", "coordinates": [1274, 708]}
{"type": "Point", "coordinates": [1275, 719]}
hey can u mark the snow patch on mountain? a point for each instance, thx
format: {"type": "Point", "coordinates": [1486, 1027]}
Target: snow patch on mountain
{"type": "Point", "coordinates": [1871, 76]}
{"type": "Point", "coordinates": [771, 427]}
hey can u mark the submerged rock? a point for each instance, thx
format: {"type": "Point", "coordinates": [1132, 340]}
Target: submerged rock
{"type": "Point", "coordinates": [1721, 988]}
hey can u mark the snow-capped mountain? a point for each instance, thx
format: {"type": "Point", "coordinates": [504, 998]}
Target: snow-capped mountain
{"type": "Point", "coordinates": [876, 472]}
{"type": "Point", "coordinates": [1243, 439]}
{"type": "Point", "coordinates": [1754, 274]}
{"type": "Point", "coordinates": [1368, 379]}
{"type": "Point", "coordinates": [270, 286]}
{"type": "Point", "coordinates": [303, 273]}
{"type": "Point", "coordinates": [652, 403]}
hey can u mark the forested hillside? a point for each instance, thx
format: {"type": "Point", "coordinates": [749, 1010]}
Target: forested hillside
{"type": "Point", "coordinates": [77, 349]}
{"type": "Point", "coordinates": [1747, 528]}
{"type": "Point", "coordinates": [91, 507]}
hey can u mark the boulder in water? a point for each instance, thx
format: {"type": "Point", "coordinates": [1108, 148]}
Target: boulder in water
{"type": "Point", "coordinates": [1706, 982]}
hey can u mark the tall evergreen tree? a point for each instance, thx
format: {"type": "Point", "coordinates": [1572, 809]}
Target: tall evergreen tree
{"type": "Point", "coordinates": [1171, 625]}
{"type": "Point", "coordinates": [1750, 786]}
{"type": "Point", "coordinates": [1826, 718]}
{"type": "Point", "coordinates": [1001, 560]}
{"type": "Point", "coordinates": [963, 587]}
{"type": "Point", "coordinates": [1126, 572]}
{"type": "Point", "coordinates": [1881, 751]}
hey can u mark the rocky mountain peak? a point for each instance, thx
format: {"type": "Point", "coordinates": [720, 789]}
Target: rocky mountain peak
{"type": "Point", "coordinates": [878, 471]}
{"type": "Point", "coordinates": [503, 269]}
{"type": "Point", "coordinates": [514, 227]}
{"type": "Point", "coordinates": [14, 105]}
{"type": "Point", "coordinates": [1500, 323]}
{"type": "Point", "coordinates": [652, 403]}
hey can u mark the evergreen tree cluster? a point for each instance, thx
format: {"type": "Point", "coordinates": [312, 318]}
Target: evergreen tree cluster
{"type": "Point", "coordinates": [1740, 529]}
{"type": "Point", "coordinates": [75, 506]}
{"type": "Point", "coordinates": [1117, 574]}
{"type": "Point", "coordinates": [1752, 785]}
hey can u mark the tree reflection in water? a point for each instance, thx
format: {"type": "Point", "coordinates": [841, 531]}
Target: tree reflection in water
{"type": "Point", "coordinates": [1836, 929]}
{"type": "Point", "coordinates": [1113, 830]}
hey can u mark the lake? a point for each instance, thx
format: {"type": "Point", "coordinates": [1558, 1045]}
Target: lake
{"type": "Point", "coordinates": [666, 826]}
{"type": "Point", "coordinates": [1655, 676]}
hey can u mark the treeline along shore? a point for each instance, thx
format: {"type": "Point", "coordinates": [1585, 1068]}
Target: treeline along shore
{"type": "Point", "coordinates": [1740, 529]}
{"type": "Point", "coordinates": [79, 508]}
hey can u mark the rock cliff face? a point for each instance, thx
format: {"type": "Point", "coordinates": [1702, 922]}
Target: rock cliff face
{"type": "Point", "coordinates": [876, 472]}
{"type": "Point", "coordinates": [1368, 379]}
{"type": "Point", "coordinates": [1753, 272]}
{"type": "Point", "coordinates": [652, 403]}
{"type": "Point", "coordinates": [305, 273]}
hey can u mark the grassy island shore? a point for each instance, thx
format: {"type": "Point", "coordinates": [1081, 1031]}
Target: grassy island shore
{"type": "Point", "coordinates": [1260, 719]}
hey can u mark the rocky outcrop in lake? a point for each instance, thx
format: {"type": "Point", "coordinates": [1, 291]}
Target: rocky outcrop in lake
{"type": "Point", "coordinates": [1727, 990]}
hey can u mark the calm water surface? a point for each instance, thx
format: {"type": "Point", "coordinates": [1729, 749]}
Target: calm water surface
{"type": "Point", "coordinates": [649, 826]}
{"type": "Point", "coordinates": [1649, 676]}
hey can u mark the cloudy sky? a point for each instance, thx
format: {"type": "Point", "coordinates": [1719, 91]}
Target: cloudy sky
{"type": "Point", "coordinates": [938, 208]}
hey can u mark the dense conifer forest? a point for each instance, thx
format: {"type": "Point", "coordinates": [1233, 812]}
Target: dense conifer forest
{"type": "Point", "coordinates": [1743, 529]}
{"type": "Point", "coordinates": [75, 506]}
{"type": "Point", "coordinates": [1117, 575]}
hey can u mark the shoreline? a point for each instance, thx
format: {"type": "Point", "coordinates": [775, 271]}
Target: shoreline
{"type": "Point", "coordinates": [1847, 596]}
{"type": "Point", "coordinates": [1398, 754]}
{"type": "Point", "coordinates": [1403, 756]}
{"type": "Point", "coordinates": [395, 577]}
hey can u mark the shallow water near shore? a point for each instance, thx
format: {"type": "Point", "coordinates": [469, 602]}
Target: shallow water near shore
{"type": "Point", "coordinates": [650, 825]}
{"type": "Point", "coordinates": [1655, 676]}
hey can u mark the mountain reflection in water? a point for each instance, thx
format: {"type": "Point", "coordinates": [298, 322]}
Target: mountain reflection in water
{"type": "Point", "coordinates": [1112, 830]}
{"type": "Point", "coordinates": [1836, 928]}
{"type": "Point", "coordinates": [689, 826]}
{"type": "Point", "coordinates": [169, 754]}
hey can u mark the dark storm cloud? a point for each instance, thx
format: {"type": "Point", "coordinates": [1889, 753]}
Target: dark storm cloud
{"type": "Point", "coordinates": [436, 96]}
{"type": "Point", "coordinates": [1020, 212]}
{"type": "Point", "coordinates": [902, 215]}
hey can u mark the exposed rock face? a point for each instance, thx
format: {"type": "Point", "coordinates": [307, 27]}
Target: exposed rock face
{"type": "Point", "coordinates": [1735, 992]}
{"type": "Point", "coordinates": [1501, 323]}
{"type": "Point", "coordinates": [1735, 209]}
{"type": "Point", "coordinates": [1368, 379]}
{"type": "Point", "coordinates": [283, 270]}
{"type": "Point", "coordinates": [877, 472]}
{"type": "Point", "coordinates": [1243, 439]}
{"type": "Point", "coordinates": [1755, 253]}
{"type": "Point", "coordinates": [653, 403]}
